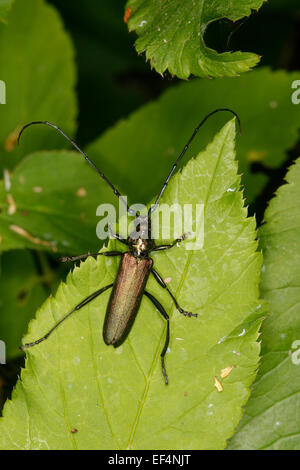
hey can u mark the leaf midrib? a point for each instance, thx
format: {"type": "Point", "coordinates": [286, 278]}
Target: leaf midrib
{"type": "Point", "coordinates": [182, 280]}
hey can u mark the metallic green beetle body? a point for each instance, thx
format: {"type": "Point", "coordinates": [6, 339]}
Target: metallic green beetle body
{"type": "Point", "coordinates": [125, 298]}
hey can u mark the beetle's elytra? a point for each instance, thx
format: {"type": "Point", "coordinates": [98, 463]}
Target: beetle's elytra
{"type": "Point", "coordinates": [135, 266]}
{"type": "Point", "coordinates": [126, 297]}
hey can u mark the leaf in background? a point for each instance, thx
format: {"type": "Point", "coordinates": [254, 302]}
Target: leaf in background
{"type": "Point", "coordinates": [51, 204]}
{"type": "Point", "coordinates": [36, 63]}
{"type": "Point", "coordinates": [116, 398]}
{"type": "Point", "coordinates": [5, 6]}
{"type": "Point", "coordinates": [153, 137]}
{"type": "Point", "coordinates": [172, 35]}
{"type": "Point", "coordinates": [271, 419]}
{"type": "Point", "coordinates": [21, 293]}
{"type": "Point", "coordinates": [123, 82]}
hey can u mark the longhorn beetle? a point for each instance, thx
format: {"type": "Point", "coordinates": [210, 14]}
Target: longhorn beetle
{"type": "Point", "coordinates": [135, 265]}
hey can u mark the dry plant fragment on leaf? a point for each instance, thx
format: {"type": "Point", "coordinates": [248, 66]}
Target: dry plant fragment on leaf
{"type": "Point", "coordinates": [37, 241]}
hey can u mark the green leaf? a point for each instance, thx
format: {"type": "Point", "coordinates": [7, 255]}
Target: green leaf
{"type": "Point", "coordinates": [49, 203]}
{"type": "Point", "coordinates": [37, 65]}
{"type": "Point", "coordinates": [154, 135]}
{"type": "Point", "coordinates": [116, 398]}
{"type": "Point", "coordinates": [5, 6]}
{"type": "Point", "coordinates": [21, 293]}
{"type": "Point", "coordinates": [271, 419]}
{"type": "Point", "coordinates": [172, 35]}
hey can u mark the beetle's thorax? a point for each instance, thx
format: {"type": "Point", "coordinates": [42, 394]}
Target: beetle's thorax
{"type": "Point", "coordinates": [140, 242]}
{"type": "Point", "coordinates": [139, 247]}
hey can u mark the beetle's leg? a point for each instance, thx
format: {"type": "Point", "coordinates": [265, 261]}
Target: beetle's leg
{"type": "Point", "coordinates": [78, 307]}
{"type": "Point", "coordinates": [161, 310]}
{"type": "Point", "coordinates": [117, 236]}
{"type": "Point", "coordinates": [107, 253]}
{"type": "Point", "coordinates": [162, 283]}
{"type": "Point", "coordinates": [175, 242]}
{"type": "Point", "coordinates": [76, 258]}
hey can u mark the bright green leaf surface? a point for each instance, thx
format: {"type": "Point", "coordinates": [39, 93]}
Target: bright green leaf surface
{"type": "Point", "coordinates": [21, 293]}
{"type": "Point", "coordinates": [5, 6]}
{"type": "Point", "coordinates": [116, 398]}
{"type": "Point", "coordinates": [271, 419]}
{"type": "Point", "coordinates": [53, 197]}
{"type": "Point", "coordinates": [172, 35]}
{"type": "Point", "coordinates": [140, 151]}
{"type": "Point", "coordinates": [36, 63]}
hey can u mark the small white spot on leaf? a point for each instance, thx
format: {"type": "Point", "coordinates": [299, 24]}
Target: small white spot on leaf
{"type": "Point", "coordinates": [37, 189]}
{"type": "Point", "coordinates": [81, 192]}
{"type": "Point", "coordinates": [142, 23]}
{"type": "Point", "coordinates": [119, 350]}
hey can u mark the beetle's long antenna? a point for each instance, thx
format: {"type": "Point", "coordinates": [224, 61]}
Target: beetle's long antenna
{"type": "Point", "coordinates": [116, 192]}
{"type": "Point", "coordinates": [154, 206]}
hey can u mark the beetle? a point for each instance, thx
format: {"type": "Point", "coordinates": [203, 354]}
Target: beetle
{"type": "Point", "coordinates": [135, 266]}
